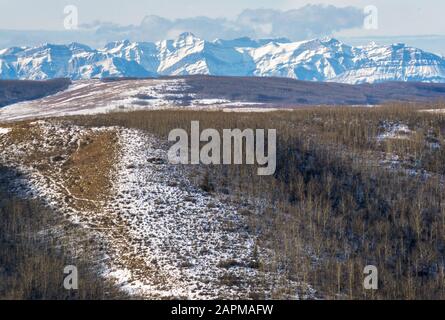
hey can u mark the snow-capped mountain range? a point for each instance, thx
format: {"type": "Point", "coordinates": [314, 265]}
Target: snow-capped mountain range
{"type": "Point", "coordinates": [313, 60]}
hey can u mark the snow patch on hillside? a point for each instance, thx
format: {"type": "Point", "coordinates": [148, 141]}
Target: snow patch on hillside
{"type": "Point", "coordinates": [398, 131]}
{"type": "Point", "coordinates": [91, 97]}
{"type": "Point", "coordinates": [161, 237]}
{"type": "Point", "coordinates": [4, 130]}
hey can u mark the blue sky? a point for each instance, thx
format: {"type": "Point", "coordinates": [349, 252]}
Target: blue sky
{"type": "Point", "coordinates": [396, 18]}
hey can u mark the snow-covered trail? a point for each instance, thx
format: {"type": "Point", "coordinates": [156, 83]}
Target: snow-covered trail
{"type": "Point", "coordinates": [182, 232]}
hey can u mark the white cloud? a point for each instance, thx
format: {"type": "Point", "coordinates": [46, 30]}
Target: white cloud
{"type": "Point", "coordinates": [306, 22]}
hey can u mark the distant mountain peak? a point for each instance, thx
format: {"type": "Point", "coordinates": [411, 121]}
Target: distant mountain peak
{"type": "Point", "coordinates": [185, 35]}
{"type": "Point", "coordinates": [325, 59]}
{"type": "Point", "coordinates": [329, 40]}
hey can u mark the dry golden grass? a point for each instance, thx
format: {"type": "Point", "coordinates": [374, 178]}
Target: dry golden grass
{"type": "Point", "coordinates": [86, 167]}
{"type": "Point", "coordinates": [88, 170]}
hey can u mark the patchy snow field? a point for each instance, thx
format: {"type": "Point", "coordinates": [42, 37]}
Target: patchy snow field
{"type": "Point", "coordinates": [395, 131]}
{"type": "Point", "coordinates": [96, 97]}
{"type": "Point", "coordinates": [158, 236]}
{"type": "Point", "coordinates": [438, 111]}
{"type": "Point", "coordinates": [4, 130]}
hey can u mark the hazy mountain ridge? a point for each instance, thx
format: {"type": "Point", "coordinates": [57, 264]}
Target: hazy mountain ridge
{"type": "Point", "coordinates": [313, 60]}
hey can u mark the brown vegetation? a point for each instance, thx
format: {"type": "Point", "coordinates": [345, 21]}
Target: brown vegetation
{"type": "Point", "coordinates": [12, 91]}
{"type": "Point", "coordinates": [88, 169]}
{"type": "Point", "coordinates": [291, 92]}
{"type": "Point", "coordinates": [335, 204]}
{"type": "Point", "coordinates": [36, 243]}
{"type": "Point", "coordinates": [34, 252]}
